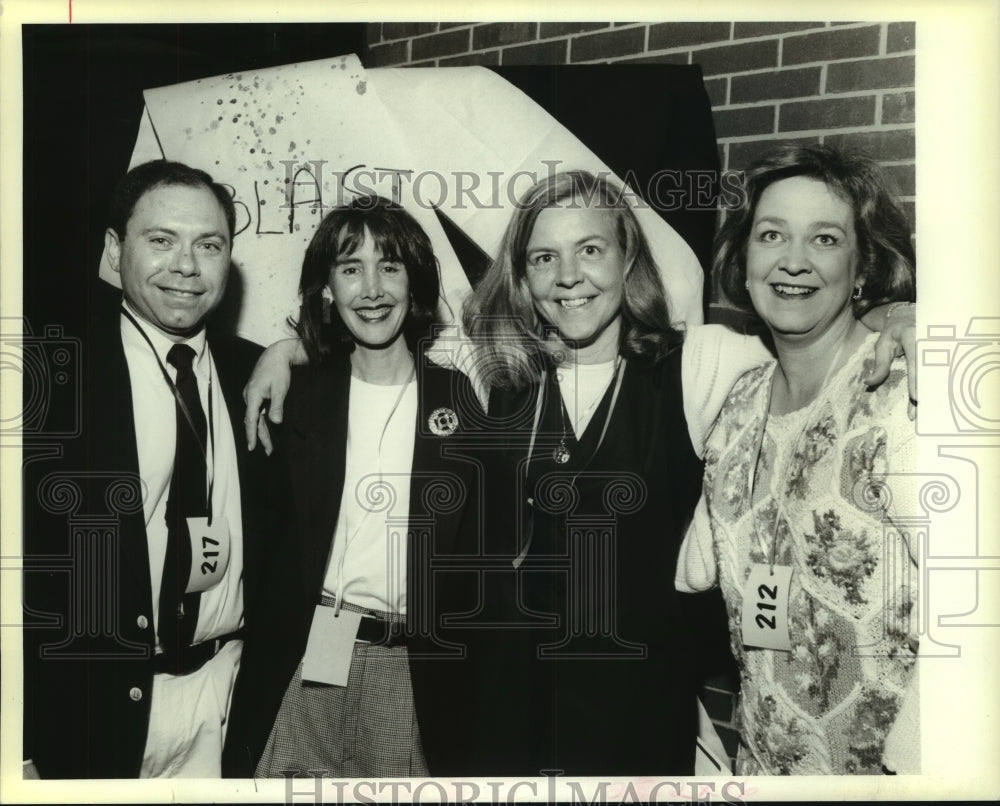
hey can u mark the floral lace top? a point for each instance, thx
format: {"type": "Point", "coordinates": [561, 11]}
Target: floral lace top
{"type": "Point", "coordinates": [829, 492]}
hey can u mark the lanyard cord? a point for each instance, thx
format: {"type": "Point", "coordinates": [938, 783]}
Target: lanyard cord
{"type": "Point", "coordinates": [209, 466]}
{"type": "Point", "coordinates": [349, 538]}
{"type": "Point", "coordinates": [807, 417]}
{"type": "Point", "coordinates": [539, 404]}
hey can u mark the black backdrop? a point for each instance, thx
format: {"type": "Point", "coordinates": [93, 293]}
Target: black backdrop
{"type": "Point", "coordinates": [82, 105]}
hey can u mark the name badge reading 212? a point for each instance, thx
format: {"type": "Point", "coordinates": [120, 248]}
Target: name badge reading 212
{"type": "Point", "coordinates": [765, 607]}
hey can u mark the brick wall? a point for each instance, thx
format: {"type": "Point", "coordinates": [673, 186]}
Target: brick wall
{"type": "Point", "coordinates": [847, 84]}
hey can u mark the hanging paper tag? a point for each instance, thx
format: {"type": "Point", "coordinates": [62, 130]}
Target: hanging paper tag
{"type": "Point", "coordinates": [765, 607]}
{"type": "Point", "coordinates": [209, 553]}
{"type": "Point", "coordinates": [330, 647]}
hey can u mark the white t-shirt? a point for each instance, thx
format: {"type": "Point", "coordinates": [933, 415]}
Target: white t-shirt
{"type": "Point", "coordinates": [582, 387]}
{"type": "Point", "coordinates": [367, 566]}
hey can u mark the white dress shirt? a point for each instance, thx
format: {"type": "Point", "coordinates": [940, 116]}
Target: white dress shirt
{"type": "Point", "coordinates": [188, 713]}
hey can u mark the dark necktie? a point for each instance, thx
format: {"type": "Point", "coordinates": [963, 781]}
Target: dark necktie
{"type": "Point", "coordinates": [186, 498]}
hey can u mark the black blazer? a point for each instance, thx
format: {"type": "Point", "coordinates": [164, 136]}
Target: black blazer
{"type": "Point", "coordinates": [308, 479]}
{"type": "Point", "coordinates": [89, 634]}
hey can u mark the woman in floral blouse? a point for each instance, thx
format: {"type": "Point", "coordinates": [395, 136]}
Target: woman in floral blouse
{"type": "Point", "coordinates": [800, 517]}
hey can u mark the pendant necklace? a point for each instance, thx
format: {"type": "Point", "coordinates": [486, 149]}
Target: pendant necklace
{"type": "Point", "coordinates": [560, 453]}
{"type": "Point", "coordinates": [561, 457]}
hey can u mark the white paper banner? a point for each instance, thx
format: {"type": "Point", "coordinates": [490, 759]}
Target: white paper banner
{"type": "Point", "coordinates": [294, 141]}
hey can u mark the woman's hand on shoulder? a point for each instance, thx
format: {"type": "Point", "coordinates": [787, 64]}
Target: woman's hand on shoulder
{"type": "Point", "coordinates": [897, 323]}
{"type": "Point", "coordinates": [267, 388]}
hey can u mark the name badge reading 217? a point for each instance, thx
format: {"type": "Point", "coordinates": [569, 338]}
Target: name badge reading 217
{"type": "Point", "coordinates": [210, 548]}
{"type": "Point", "coordinates": [765, 607]}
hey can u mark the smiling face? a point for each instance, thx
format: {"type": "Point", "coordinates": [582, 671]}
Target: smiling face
{"type": "Point", "coordinates": [576, 274]}
{"type": "Point", "coordinates": [174, 258]}
{"type": "Point", "coordinates": [372, 294]}
{"type": "Point", "coordinates": [802, 259]}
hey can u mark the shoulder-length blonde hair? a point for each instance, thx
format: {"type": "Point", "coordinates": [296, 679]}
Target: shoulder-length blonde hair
{"type": "Point", "coordinates": [500, 317]}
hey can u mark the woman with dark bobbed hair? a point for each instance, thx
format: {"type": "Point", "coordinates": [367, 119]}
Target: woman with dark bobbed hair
{"type": "Point", "coordinates": [326, 328]}
{"type": "Point", "coordinates": [326, 681]}
{"type": "Point", "coordinates": [806, 476]}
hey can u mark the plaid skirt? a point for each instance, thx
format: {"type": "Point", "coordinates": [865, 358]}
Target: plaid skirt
{"type": "Point", "coordinates": [366, 729]}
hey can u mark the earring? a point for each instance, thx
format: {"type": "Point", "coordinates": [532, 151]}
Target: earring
{"type": "Point", "coordinates": [857, 292]}
{"type": "Point", "coordinates": [327, 297]}
{"type": "Point", "coordinates": [746, 284]}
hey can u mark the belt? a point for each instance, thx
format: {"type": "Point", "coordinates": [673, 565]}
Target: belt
{"type": "Point", "coordinates": [381, 632]}
{"type": "Point", "coordinates": [191, 658]}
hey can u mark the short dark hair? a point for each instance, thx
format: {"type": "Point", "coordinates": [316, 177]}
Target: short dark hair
{"type": "Point", "coordinates": [398, 237]}
{"type": "Point", "coordinates": [157, 173]}
{"type": "Point", "coordinates": [887, 263]}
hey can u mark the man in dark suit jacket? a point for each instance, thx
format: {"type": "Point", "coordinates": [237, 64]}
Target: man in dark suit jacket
{"type": "Point", "coordinates": [120, 681]}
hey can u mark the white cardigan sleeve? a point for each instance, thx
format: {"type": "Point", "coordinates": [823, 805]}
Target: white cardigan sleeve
{"type": "Point", "coordinates": [696, 568]}
{"type": "Point", "coordinates": [901, 753]}
{"type": "Point", "coordinates": [713, 360]}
